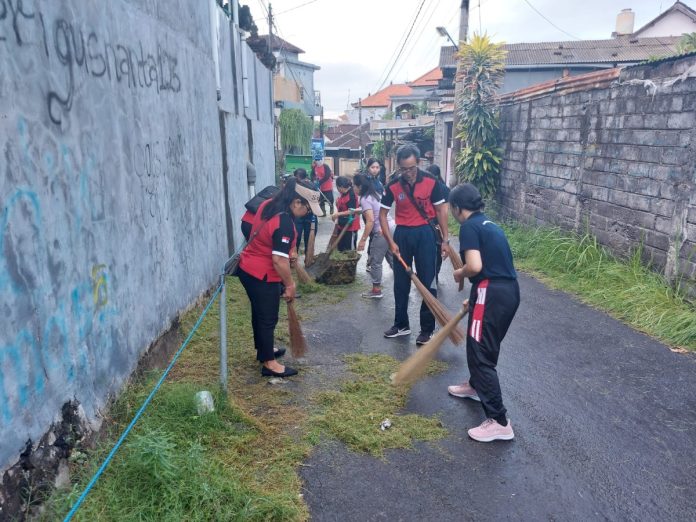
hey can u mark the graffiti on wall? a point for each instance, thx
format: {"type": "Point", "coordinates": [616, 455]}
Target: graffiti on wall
{"type": "Point", "coordinates": [82, 51]}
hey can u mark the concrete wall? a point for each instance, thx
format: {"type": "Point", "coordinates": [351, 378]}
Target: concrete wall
{"type": "Point", "coordinates": [619, 158]}
{"type": "Point", "coordinates": [113, 212]}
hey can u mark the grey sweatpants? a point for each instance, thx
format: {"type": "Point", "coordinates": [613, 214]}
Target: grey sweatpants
{"type": "Point", "coordinates": [378, 249]}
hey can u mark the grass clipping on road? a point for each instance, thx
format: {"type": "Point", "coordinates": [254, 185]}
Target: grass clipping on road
{"type": "Point", "coordinates": [354, 413]}
{"type": "Point", "coordinates": [239, 462]}
{"type": "Point", "coordinates": [627, 289]}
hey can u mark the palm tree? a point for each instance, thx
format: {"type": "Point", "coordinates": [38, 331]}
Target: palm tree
{"type": "Point", "coordinates": [482, 67]}
{"type": "Point", "coordinates": [687, 44]}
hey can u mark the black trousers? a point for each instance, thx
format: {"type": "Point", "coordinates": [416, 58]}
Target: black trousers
{"type": "Point", "coordinates": [347, 242]}
{"type": "Point", "coordinates": [417, 245]}
{"type": "Point", "coordinates": [329, 195]}
{"type": "Point", "coordinates": [493, 310]}
{"type": "Point", "coordinates": [265, 302]}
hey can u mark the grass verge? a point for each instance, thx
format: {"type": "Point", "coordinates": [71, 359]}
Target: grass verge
{"type": "Point", "coordinates": [354, 413]}
{"type": "Point", "coordinates": [625, 288]}
{"type": "Point", "coordinates": [239, 462]}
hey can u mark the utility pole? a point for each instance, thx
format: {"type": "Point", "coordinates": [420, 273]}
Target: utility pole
{"type": "Point", "coordinates": [456, 142]}
{"type": "Point", "coordinates": [270, 29]}
{"type": "Point", "coordinates": [360, 131]}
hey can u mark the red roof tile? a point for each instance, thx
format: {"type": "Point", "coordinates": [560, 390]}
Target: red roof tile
{"type": "Point", "coordinates": [382, 98]}
{"type": "Point", "coordinates": [429, 79]}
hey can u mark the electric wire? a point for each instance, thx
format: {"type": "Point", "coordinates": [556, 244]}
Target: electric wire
{"type": "Point", "coordinates": [400, 42]}
{"type": "Point", "coordinates": [403, 46]}
{"type": "Point", "coordinates": [549, 21]}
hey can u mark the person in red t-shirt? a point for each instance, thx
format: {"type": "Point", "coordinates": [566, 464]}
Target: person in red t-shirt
{"type": "Point", "coordinates": [265, 264]}
{"type": "Point", "coordinates": [345, 207]}
{"type": "Point", "coordinates": [419, 201]}
{"type": "Point", "coordinates": [321, 174]}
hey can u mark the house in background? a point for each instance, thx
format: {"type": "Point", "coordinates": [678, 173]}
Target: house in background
{"type": "Point", "coordinates": [420, 100]}
{"type": "Point", "coordinates": [293, 80]}
{"type": "Point", "coordinates": [532, 63]}
{"type": "Point", "coordinates": [376, 105]}
{"type": "Point", "coordinates": [677, 20]}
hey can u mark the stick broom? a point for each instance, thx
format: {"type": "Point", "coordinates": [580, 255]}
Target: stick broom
{"type": "Point", "coordinates": [457, 262]}
{"type": "Point", "coordinates": [442, 315]}
{"type": "Point", "coordinates": [414, 367]}
{"type": "Point", "coordinates": [298, 343]}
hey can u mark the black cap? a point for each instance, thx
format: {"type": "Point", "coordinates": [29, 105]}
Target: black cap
{"type": "Point", "coordinates": [466, 196]}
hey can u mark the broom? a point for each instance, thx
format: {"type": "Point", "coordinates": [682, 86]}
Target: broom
{"type": "Point", "coordinates": [302, 274]}
{"type": "Point", "coordinates": [414, 367]}
{"type": "Point", "coordinates": [309, 251]}
{"type": "Point", "coordinates": [456, 262]}
{"type": "Point", "coordinates": [441, 313]}
{"type": "Point", "coordinates": [298, 343]}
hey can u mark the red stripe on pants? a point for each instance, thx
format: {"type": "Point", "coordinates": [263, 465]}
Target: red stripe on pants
{"type": "Point", "coordinates": [479, 309]}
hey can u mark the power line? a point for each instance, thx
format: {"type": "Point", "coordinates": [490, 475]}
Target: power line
{"type": "Point", "coordinates": [296, 7]}
{"type": "Point", "coordinates": [403, 46]}
{"type": "Point", "coordinates": [416, 40]}
{"type": "Point", "coordinates": [549, 21]}
{"type": "Point", "coordinates": [391, 58]}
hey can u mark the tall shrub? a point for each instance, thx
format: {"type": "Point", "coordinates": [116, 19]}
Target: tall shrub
{"type": "Point", "coordinates": [295, 131]}
{"type": "Point", "coordinates": [481, 70]}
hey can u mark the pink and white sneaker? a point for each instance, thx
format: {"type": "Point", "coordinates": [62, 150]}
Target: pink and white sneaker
{"type": "Point", "coordinates": [463, 390]}
{"type": "Point", "coordinates": [490, 430]}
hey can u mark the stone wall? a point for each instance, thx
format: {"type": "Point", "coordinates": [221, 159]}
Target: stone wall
{"type": "Point", "coordinates": [617, 157]}
{"type": "Point", "coordinates": [122, 180]}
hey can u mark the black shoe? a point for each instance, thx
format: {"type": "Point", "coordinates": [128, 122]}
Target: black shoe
{"type": "Point", "coordinates": [423, 338]}
{"type": "Point", "coordinates": [279, 353]}
{"type": "Point", "coordinates": [395, 331]}
{"type": "Point", "coordinates": [266, 372]}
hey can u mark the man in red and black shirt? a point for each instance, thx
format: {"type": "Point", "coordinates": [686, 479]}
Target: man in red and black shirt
{"type": "Point", "coordinates": [420, 202]}
{"type": "Point", "coordinates": [321, 174]}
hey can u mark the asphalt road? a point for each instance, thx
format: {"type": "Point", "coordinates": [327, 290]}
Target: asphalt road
{"type": "Point", "coordinates": [604, 419]}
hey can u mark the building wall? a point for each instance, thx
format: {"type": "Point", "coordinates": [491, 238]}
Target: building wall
{"type": "Point", "coordinates": [304, 76]}
{"type": "Point", "coordinates": [368, 113]}
{"type": "Point", "coordinates": [114, 213]}
{"type": "Point", "coordinates": [516, 79]}
{"type": "Point", "coordinates": [674, 24]}
{"type": "Point", "coordinates": [619, 160]}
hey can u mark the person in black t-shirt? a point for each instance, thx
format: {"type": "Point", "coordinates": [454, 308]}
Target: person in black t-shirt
{"type": "Point", "coordinates": [495, 297]}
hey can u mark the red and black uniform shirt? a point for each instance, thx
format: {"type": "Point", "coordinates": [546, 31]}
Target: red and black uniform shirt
{"type": "Point", "coordinates": [248, 217]}
{"type": "Point", "coordinates": [247, 222]}
{"type": "Point", "coordinates": [426, 191]}
{"type": "Point", "coordinates": [346, 202]}
{"type": "Point", "coordinates": [276, 237]}
{"type": "Point", "coordinates": [324, 176]}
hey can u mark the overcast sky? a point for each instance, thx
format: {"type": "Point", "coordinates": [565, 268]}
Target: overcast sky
{"type": "Point", "coordinates": [355, 42]}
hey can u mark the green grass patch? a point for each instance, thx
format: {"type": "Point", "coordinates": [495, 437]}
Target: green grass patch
{"type": "Point", "coordinates": [239, 462]}
{"type": "Point", "coordinates": [625, 288]}
{"type": "Point", "coordinates": [353, 414]}
{"type": "Point", "coordinates": [173, 465]}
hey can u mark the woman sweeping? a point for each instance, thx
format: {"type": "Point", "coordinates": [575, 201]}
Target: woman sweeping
{"type": "Point", "coordinates": [346, 206]}
{"type": "Point", "coordinates": [369, 202]}
{"type": "Point", "coordinates": [495, 295]}
{"type": "Point", "coordinates": [264, 267]}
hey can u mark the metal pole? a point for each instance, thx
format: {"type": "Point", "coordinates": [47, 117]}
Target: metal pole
{"type": "Point", "coordinates": [223, 334]}
{"type": "Point", "coordinates": [360, 131]}
{"type": "Point", "coordinates": [456, 141]}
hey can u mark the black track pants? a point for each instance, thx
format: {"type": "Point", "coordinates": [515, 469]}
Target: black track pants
{"type": "Point", "coordinates": [493, 305]}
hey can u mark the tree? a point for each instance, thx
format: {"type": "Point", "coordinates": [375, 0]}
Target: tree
{"type": "Point", "coordinates": [687, 44]}
{"type": "Point", "coordinates": [295, 131]}
{"type": "Point", "coordinates": [481, 66]}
